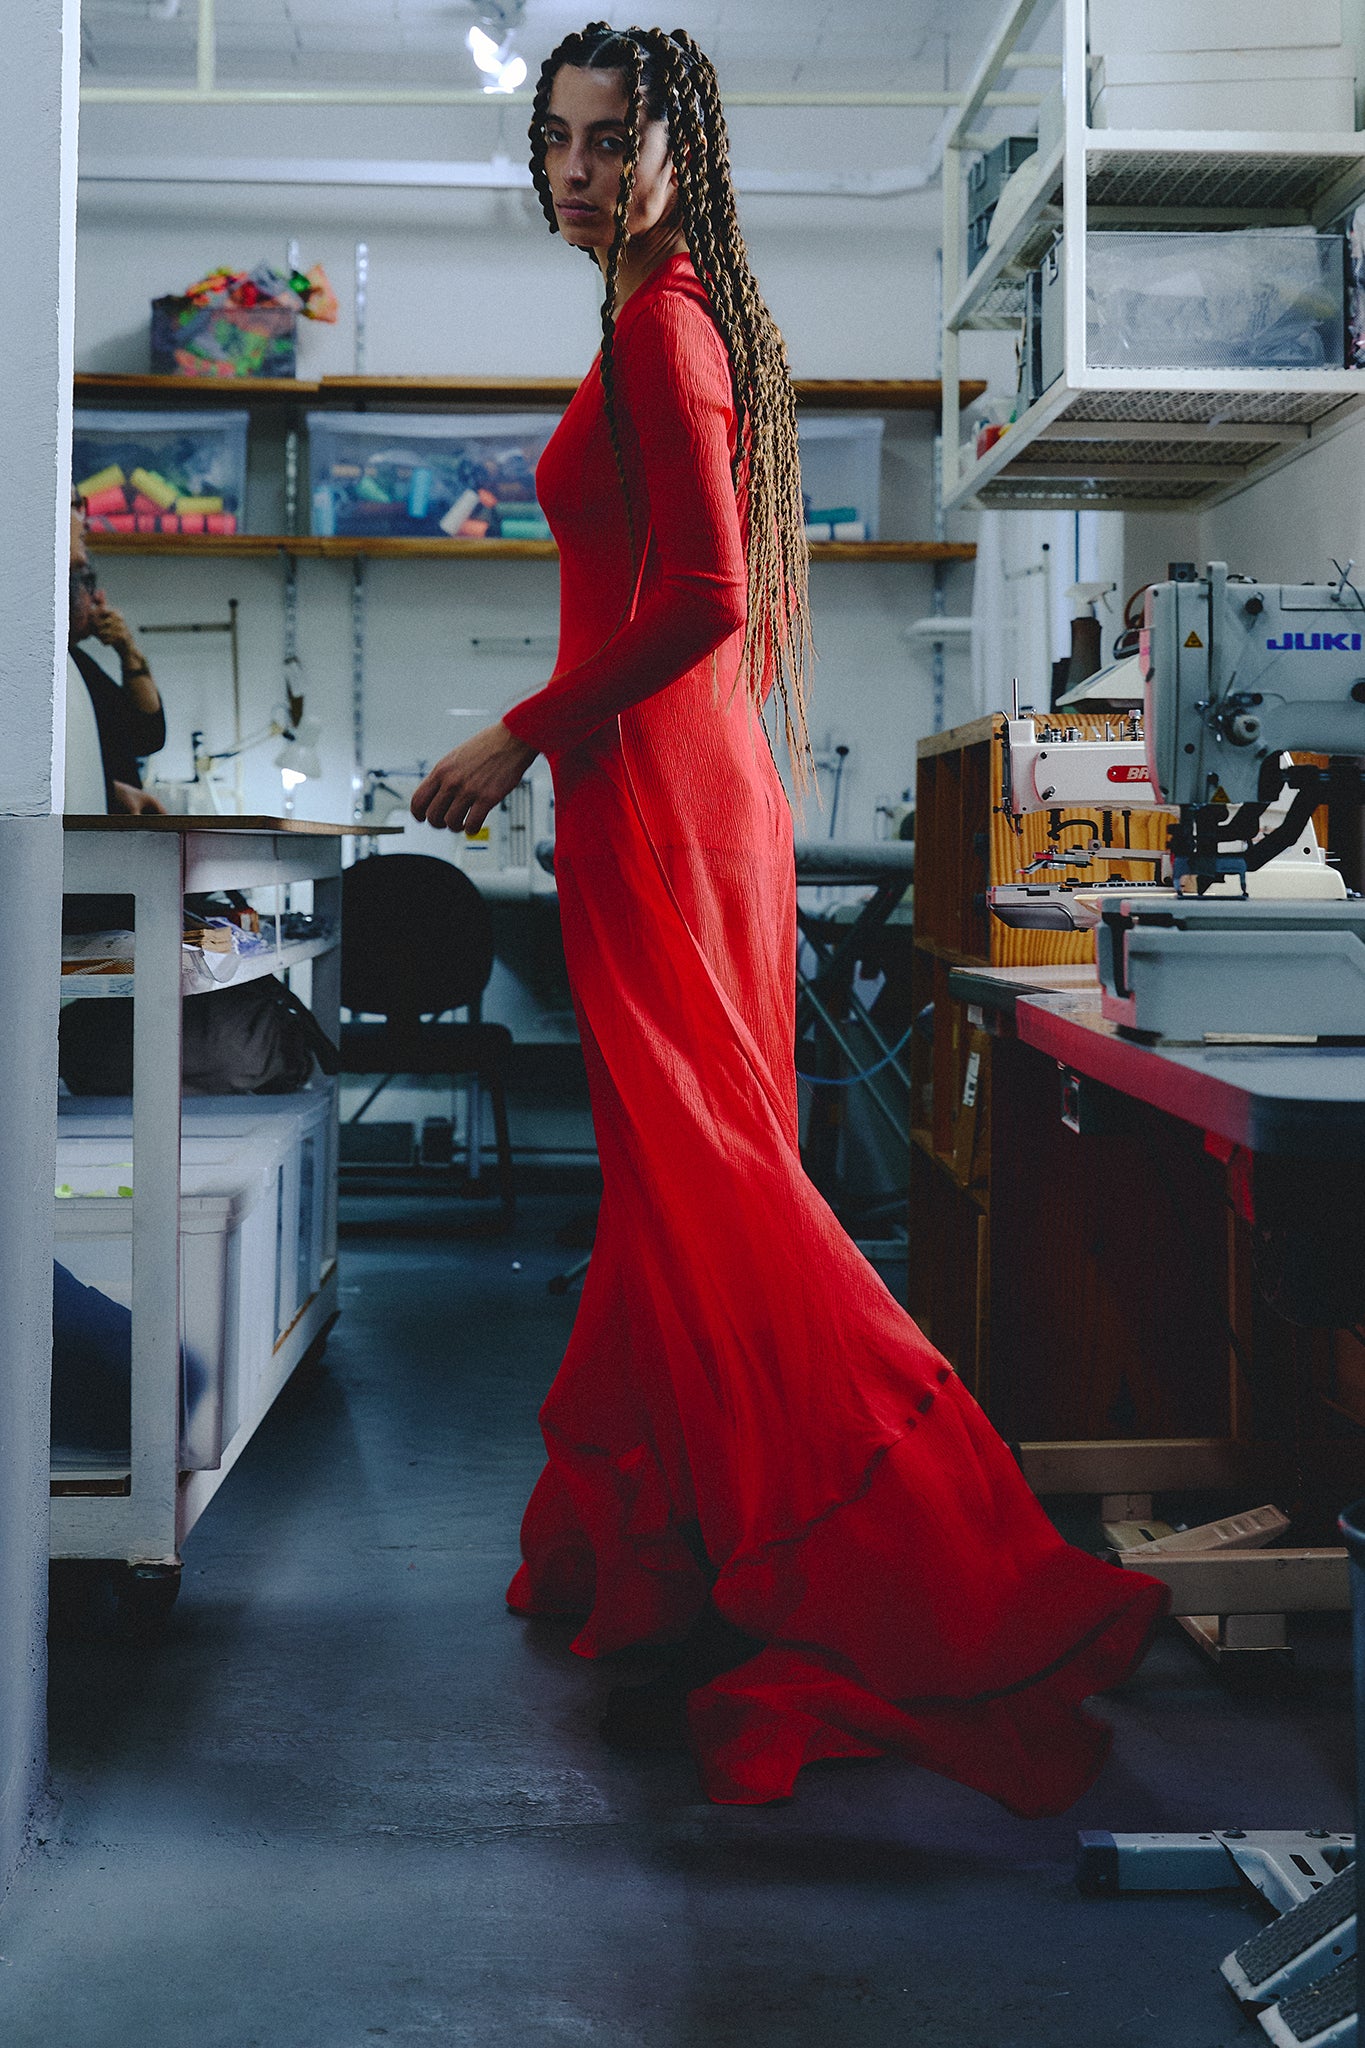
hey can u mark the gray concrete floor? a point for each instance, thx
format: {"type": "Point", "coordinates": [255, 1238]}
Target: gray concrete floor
{"type": "Point", "coordinates": [349, 1800]}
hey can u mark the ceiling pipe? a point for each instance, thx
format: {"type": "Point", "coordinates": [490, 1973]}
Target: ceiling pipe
{"type": "Point", "coordinates": [206, 50]}
{"type": "Point", "coordinates": [501, 174]}
{"type": "Point", "coordinates": [372, 96]}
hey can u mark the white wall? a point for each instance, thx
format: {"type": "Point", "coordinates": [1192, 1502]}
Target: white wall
{"type": "Point", "coordinates": [1288, 527]}
{"type": "Point", "coordinates": [37, 174]}
{"type": "Point", "coordinates": [470, 282]}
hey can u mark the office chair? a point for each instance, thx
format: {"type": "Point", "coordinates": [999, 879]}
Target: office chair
{"type": "Point", "coordinates": [417, 942]}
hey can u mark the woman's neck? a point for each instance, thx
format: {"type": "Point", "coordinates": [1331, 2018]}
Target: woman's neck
{"type": "Point", "coordinates": [641, 257]}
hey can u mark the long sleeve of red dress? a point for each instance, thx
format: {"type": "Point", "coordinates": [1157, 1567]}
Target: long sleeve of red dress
{"type": "Point", "coordinates": [744, 1415]}
{"type": "Point", "coordinates": [674, 397]}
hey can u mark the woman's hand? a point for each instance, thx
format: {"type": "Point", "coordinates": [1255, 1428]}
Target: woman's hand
{"type": "Point", "coordinates": [473, 780]}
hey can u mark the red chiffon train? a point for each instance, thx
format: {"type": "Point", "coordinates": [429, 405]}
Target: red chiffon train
{"type": "Point", "coordinates": [744, 1414]}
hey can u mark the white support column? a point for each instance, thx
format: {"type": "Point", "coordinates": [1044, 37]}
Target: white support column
{"type": "Point", "coordinates": [37, 245]}
{"type": "Point", "coordinates": [1076, 119]}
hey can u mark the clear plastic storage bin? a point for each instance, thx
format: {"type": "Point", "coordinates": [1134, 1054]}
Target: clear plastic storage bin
{"type": "Point", "coordinates": [228, 1231]}
{"type": "Point", "coordinates": [161, 472]}
{"type": "Point", "coordinates": [413, 475]}
{"type": "Point", "coordinates": [1261, 298]}
{"type": "Point", "coordinates": [841, 475]}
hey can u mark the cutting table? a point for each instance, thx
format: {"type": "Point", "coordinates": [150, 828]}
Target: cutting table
{"type": "Point", "coordinates": [1143, 1201]}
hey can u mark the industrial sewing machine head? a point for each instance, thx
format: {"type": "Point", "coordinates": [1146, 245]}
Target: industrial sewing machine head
{"type": "Point", "coordinates": [1252, 933]}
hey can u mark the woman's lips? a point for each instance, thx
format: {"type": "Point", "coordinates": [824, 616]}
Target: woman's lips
{"type": "Point", "coordinates": [574, 209]}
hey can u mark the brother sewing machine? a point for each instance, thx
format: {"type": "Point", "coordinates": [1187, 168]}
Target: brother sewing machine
{"type": "Point", "coordinates": [1244, 928]}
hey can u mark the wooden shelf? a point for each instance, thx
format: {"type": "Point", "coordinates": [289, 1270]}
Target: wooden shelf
{"type": "Point", "coordinates": [893, 551]}
{"type": "Point", "coordinates": [385, 546]}
{"type": "Point", "coordinates": [832, 394]}
{"type": "Point", "coordinates": [118, 387]}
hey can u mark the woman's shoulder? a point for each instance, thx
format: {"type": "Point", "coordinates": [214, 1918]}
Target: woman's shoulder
{"type": "Point", "coordinates": [668, 326]}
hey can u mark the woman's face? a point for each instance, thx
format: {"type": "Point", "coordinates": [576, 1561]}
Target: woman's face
{"type": "Point", "coordinates": [585, 147]}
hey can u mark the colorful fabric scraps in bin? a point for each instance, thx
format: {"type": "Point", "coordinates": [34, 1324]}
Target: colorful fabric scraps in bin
{"type": "Point", "coordinates": [238, 323]}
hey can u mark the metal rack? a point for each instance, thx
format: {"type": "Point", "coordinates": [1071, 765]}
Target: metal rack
{"type": "Point", "coordinates": [1149, 440]}
{"type": "Point", "coordinates": [140, 1510]}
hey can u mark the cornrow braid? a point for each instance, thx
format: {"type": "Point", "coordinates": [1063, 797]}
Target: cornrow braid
{"type": "Point", "coordinates": [668, 77]}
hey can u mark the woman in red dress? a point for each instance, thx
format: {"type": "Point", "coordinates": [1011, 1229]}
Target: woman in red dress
{"type": "Point", "coordinates": [750, 1443]}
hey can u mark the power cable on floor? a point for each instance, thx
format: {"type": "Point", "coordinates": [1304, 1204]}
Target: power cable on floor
{"type": "Point", "coordinates": [863, 1074]}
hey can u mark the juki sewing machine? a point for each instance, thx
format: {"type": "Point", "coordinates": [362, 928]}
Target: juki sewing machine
{"type": "Point", "coordinates": [1244, 927]}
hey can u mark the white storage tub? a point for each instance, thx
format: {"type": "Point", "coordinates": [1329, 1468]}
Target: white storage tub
{"type": "Point", "coordinates": [1214, 25]}
{"type": "Point", "coordinates": [303, 1126]}
{"type": "Point", "coordinates": [227, 1264]}
{"type": "Point", "coordinates": [841, 473]}
{"type": "Point", "coordinates": [1297, 91]}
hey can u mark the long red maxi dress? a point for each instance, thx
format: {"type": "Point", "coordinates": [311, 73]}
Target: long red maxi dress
{"type": "Point", "coordinates": [743, 1410]}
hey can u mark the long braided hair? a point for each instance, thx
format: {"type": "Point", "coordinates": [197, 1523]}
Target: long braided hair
{"type": "Point", "coordinates": [668, 78]}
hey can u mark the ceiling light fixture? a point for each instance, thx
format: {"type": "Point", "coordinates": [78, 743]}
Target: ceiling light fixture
{"type": "Point", "coordinates": [503, 73]}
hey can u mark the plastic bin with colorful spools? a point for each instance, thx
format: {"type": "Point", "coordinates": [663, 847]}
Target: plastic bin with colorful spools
{"type": "Point", "coordinates": [161, 472]}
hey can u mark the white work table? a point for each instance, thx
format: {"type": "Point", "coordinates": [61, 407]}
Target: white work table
{"type": "Point", "coordinates": [140, 1511]}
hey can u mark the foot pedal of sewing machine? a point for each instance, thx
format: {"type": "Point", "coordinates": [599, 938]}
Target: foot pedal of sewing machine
{"type": "Point", "coordinates": [1321, 2015]}
{"type": "Point", "coordinates": [1247, 1646]}
{"type": "Point", "coordinates": [1298, 1948]}
{"type": "Point", "coordinates": [1241, 1645]}
{"type": "Point", "coordinates": [1285, 1866]}
{"type": "Point", "coordinates": [1251, 1530]}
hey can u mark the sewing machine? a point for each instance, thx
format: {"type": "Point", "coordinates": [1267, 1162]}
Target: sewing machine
{"type": "Point", "coordinates": [1244, 928]}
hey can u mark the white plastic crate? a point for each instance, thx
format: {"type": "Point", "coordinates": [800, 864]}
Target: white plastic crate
{"type": "Point", "coordinates": [1214, 25]}
{"type": "Point", "coordinates": [1309, 91]}
{"type": "Point", "coordinates": [841, 473]}
{"type": "Point", "coordinates": [227, 1265]}
{"type": "Point", "coordinates": [302, 1127]}
{"type": "Point", "coordinates": [413, 474]}
{"type": "Point", "coordinates": [161, 472]}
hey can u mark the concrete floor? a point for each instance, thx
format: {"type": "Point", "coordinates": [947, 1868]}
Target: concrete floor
{"type": "Point", "coordinates": [349, 1800]}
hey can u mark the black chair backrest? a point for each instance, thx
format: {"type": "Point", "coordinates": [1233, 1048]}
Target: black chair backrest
{"type": "Point", "coordinates": [416, 937]}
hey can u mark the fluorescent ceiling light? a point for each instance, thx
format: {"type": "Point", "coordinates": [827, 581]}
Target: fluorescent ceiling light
{"type": "Point", "coordinates": [484, 52]}
{"type": "Point", "coordinates": [504, 74]}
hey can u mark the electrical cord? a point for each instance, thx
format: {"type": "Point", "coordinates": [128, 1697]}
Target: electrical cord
{"type": "Point", "coordinates": [863, 1074]}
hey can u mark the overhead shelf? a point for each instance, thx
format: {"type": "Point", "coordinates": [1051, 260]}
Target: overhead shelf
{"type": "Point", "coordinates": [382, 546]}
{"type": "Point", "coordinates": [832, 394]}
{"type": "Point", "coordinates": [1304, 180]}
{"type": "Point", "coordinates": [1144, 445]}
{"type": "Point", "coordinates": [1118, 438]}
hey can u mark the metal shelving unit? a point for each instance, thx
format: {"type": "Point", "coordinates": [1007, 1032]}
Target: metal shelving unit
{"type": "Point", "coordinates": [1134, 439]}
